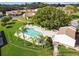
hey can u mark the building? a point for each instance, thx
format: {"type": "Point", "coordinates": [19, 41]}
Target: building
{"type": "Point", "coordinates": [29, 13]}
{"type": "Point", "coordinates": [13, 12]}
{"type": "Point", "coordinates": [66, 36]}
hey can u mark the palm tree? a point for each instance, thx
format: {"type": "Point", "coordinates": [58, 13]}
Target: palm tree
{"type": "Point", "coordinates": [18, 31]}
{"type": "Point", "coordinates": [43, 39]}
{"type": "Point", "coordinates": [33, 42]}
{"type": "Point", "coordinates": [23, 29]}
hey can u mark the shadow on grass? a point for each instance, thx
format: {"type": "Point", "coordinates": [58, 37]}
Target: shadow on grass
{"type": "Point", "coordinates": [11, 23]}
{"type": "Point", "coordinates": [8, 26]}
{"type": "Point", "coordinates": [4, 41]}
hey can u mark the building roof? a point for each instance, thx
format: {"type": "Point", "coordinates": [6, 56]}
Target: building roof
{"type": "Point", "coordinates": [29, 13]}
{"type": "Point", "coordinates": [69, 31]}
{"type": "Point", "coordinates": [64, 39]}
{"type": "Point", "coordinates": [12, 12]}
{"type": "Point", "coordinates": [66, 36]}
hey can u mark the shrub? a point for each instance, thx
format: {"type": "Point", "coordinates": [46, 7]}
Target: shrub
{"type": "Point", "coordinates": [49, 42]}
{"type": "Point", "coordinates": [3, 24]}
{"type": "Point", "coordinates": [6, 18]}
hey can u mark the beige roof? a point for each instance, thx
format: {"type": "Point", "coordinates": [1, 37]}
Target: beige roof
{"type": "Point", "coordinates": [70, 31]}
{"type": "Point", "coordinates": [66, 36]}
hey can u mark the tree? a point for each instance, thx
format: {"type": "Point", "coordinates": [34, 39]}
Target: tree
{"type": "Point", "coordinates": [50, 17]}
{"type": "Point", "coordinates": [35, 5]}
{"type": "Point", "coordinates": [43, 40]}
{"type": "Point", "coordinates": [4, 8]}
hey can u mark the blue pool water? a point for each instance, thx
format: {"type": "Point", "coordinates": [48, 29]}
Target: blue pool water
{"type": "Point", "coordinates": [32, 32]}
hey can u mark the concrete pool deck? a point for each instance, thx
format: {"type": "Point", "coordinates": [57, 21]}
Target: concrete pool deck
{"type": "Point", "coordinates": [48, 33]}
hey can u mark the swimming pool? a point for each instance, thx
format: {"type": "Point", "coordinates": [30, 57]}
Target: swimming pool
{"type": "Point", "coordinates": [32, 32]}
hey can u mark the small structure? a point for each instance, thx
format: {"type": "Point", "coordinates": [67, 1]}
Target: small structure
{"type": "Point", "coordinates": [1, 39]}
{"type": "Point", "coordinates": [66, 36]}
{"type": "Point", "coordinates": [1, 42]}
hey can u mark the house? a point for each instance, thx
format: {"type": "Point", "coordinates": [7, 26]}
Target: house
{"type": "Point", "coordinates": [66, 36]}
{"type": "Point", "coordinates": [14, 12]}
{"type": "Point", "coordinates": [29, 13]}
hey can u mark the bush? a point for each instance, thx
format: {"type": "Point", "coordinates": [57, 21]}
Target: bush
{"type": "Point", "coordinates": [11, 22]}
{"type": "Point", "coordinates": [3, 24]}
{"type": "Point", "coordinates": [49, 42]}
{"type": "Point", "coordinates": [6, 18]}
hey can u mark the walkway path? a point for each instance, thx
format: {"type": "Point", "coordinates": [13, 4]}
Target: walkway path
{"type": "Point", "coordinates": [55, 51]}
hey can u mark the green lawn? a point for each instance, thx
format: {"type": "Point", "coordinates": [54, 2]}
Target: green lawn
{"type": "Point", "coordinates": [67, 52]}
{"type": "Point", "coordinates": [75, 16]}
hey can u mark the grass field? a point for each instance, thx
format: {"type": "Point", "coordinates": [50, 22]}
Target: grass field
{"type": "Point", "coordinates": [15, 46]}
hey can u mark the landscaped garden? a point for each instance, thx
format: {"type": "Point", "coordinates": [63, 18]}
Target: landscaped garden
{"type": "Point", "coordinates": [15, 46]}
{"type": "Point", "coordinates": [18, 47]}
